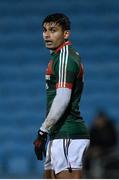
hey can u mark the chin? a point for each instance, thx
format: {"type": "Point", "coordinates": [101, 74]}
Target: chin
{"type": "Point", "coordinates": [51, 48]}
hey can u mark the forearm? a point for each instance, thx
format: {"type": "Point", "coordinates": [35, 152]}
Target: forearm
{"type": "Point", "coordinates": [58, 107]}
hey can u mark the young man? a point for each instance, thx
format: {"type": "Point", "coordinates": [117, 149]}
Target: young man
{"type": "Point", "coordinates": [67, 131]}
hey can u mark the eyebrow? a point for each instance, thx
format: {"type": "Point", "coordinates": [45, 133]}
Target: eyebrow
{"type": "Point", "coordinates": [54, 27]}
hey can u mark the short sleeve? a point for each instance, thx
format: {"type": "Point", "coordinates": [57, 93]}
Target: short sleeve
{"type": "Point", "coordinates": [66, 70]}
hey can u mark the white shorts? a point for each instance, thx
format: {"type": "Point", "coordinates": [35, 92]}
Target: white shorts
{"type": "Point", "coordinates": [65, 154]}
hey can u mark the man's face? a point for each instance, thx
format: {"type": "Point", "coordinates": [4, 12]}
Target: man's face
{"type": "Point", "coordinates": [53, 35]}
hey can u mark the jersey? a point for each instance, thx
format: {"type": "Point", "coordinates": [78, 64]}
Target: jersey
{"type": "Point", "coordinates": [66, 71]}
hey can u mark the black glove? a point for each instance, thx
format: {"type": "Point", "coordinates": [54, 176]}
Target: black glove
{"type": "Point", "coordinates": [39, 145]}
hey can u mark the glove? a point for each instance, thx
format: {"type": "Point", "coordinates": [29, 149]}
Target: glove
{"type": "Point", "coordinates": [39, 145]}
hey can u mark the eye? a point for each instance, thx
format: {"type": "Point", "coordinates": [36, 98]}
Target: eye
{"type": "Point", "coordinates": [53, 30]}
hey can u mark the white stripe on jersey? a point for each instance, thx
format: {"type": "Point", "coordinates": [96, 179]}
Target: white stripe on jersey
{"type": "Point", "coordinates": [60, 57]}
{"type": "Point", "coordinates": [63, 58]}
{"type": "Point", "coordinates": [63, 63]}
{"type": "Point", "coordinates": [66, 65]}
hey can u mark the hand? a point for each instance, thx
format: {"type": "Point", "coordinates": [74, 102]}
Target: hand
{"type": "Point", "coordinates": [39, 145]}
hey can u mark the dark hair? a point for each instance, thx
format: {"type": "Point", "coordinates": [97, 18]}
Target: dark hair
{"type": "Point", "coordinates": [59, 18]}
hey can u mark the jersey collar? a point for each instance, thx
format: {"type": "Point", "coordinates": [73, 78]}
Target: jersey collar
{"type": "Point", "coordinates": [64, 44]}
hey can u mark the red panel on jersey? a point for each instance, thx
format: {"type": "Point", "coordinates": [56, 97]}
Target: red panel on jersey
{"type": "Point", "coordinates": [49, 70]}
{"type": "Point", "coordinates": [64, 85]}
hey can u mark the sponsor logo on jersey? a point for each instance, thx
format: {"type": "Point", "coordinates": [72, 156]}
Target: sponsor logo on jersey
{"type": "Point", "coordinates": [47, 77]}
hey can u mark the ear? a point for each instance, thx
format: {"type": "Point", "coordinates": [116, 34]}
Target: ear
{"type": "Point", "coordinates": [66, 34]}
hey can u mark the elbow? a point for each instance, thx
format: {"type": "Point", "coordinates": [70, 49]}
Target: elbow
{"type": "Point", "coordinates": [65, 101]}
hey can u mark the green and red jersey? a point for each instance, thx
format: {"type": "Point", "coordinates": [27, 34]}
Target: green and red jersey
{"type": "Point", "coordinates": [66, 71]}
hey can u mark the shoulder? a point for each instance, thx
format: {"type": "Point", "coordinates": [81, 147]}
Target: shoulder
{"type": "Point", "coordinates": [74, 56]}
{"type": "Point", "coordinates": [67, 56]}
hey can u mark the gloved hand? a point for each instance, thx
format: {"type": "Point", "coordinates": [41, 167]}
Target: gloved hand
{"type": "Point", "coordinates": [39, 145]}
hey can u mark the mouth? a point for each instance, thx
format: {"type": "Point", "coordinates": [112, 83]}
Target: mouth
{"type": "Point", "coordinates": [48, 42]}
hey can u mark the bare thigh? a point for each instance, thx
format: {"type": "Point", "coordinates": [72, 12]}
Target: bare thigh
{"type": "Point", "coordinates": [49, 174]}
{"type": "Point", "coordinates": [75, 174]}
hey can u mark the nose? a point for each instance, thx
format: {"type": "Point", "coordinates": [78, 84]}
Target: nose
{"type": "Point", "coordinates": [46, 34]}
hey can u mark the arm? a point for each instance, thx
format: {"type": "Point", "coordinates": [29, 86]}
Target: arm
{"type": "Point", "coordinates": [63, 96]}
{"type": "Point", "coordinates": [58, 107]}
